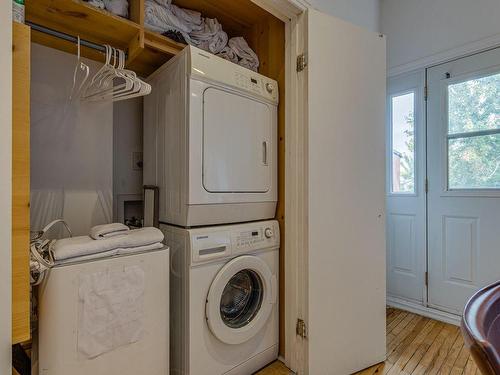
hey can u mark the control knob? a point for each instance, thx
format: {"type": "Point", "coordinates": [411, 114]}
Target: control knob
{"type": "Point", "coordinates": [269, 87]}
{"type": "Point", "coordinates": [268, 232]}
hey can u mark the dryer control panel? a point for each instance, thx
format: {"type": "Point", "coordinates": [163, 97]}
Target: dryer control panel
{"type": "Point", "coordinates": [213, 68]}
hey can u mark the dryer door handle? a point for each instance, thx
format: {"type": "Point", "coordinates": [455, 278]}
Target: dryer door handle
{"type": "Point", "coordinates": [264, 152]}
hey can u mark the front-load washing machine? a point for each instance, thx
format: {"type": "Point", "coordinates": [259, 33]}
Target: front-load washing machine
{"type": "Point", "coordinates": [210, 141]}
{"type": "Point", "coordinates": [224, 298]}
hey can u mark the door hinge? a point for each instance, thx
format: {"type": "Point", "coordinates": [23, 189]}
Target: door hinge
{"type": "Point", "coordinates": [426, 278]}
{"type": "Point", "coordinates": [301, 62]}
{"type": "Point", "coordinates": [426, 93]}
{"type": "Point", "coordinates": [300, 329]}
{"type": "Point", "coordinates": [426, 185]}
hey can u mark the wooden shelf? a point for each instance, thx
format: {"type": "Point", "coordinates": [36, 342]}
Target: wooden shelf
{"type": "Point", "coordinates": [158, 49]}
{"type": "Point", "coordinates": [76, 17]}
{"type": "Point", "coordinates": [147, 50]}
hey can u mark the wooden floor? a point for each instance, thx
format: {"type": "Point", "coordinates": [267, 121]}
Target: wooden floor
{"type": "Point", "coordinates": [415, 346]}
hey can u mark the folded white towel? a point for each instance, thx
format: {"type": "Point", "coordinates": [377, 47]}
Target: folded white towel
{"type": "Point", "coordinates": [162, 16]}
{"type": "Point", "coordinates": [101, 232]}
{"type": "Point", "coordinates": [84, 245]}
{"type": "Point", "coordinates": [110, 253]}
{"type": "Point", "coordinates": [119, 7]}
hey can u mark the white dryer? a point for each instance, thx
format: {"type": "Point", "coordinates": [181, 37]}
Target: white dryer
{"type": "Point", "coordinates": [224, 298]}
{"type": "Point", "coordinates": [210, 141]}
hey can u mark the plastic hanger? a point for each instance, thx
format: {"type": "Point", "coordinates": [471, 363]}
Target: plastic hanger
{"type": "Point", "coordinates": [79, 67]}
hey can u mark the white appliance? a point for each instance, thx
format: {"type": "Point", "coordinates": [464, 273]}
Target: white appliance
{"type": "Point", "coordinates": [107, 316]}
{"type": "Point", "coordinates": [210, 129]}
{"type": "Point", "coordinates": [224, 298]}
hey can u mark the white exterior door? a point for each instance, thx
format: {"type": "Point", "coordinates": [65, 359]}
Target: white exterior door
{"type": "Point", "coordinates": [237, 147]}
{"type": "Point", "coordinates": [406, 243]}
{"type": "Point", "coordinates": [346, 254]}
{"type": "Point", "coordinates": [463, 142]}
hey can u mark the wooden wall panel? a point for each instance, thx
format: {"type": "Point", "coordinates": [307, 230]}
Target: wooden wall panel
{"type": "Point", "coordinates": [20, 182]}
{"type": "Point", "coordinates": [268, 40]}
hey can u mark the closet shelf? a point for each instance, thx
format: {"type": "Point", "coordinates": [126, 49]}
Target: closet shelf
{"type": "Point", "coordinates": [76, 17]}
{"type": "Point", "coordinates": [158, 49]}
{"type": "Point", "coordinates": [146, 50]}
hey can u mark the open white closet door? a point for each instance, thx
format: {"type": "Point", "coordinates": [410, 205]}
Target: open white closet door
{"type": "Point", "coordinates": [345, 256]}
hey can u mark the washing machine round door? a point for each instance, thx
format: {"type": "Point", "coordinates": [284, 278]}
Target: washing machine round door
{"type": "Point", "coordinates": [241, 299]}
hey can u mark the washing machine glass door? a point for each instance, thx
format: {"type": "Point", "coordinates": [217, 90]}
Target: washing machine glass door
{"type": "Point", "coordinates": [241, 299]}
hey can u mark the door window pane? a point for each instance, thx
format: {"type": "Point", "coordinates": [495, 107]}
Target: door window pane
{"type": "Point", "coordinates": [474, 105]}
{"type": "Point", "coordinates": [474, 162]}
{"type": "Point", "coordinates": [474, 134]}
{"type": "Point", "coordinates": [403, 143]}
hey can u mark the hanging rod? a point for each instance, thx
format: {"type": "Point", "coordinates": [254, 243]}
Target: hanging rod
{"type": "Point", "coordinates": [64, 36]}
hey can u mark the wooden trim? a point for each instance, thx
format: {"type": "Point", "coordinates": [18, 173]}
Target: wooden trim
{"type": "Point", "coordinates": [20, 182]}
{"type": "Point", "coordinates": [446, 56]}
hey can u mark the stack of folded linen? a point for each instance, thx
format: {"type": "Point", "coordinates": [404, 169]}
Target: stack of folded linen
{"type": "Point", "coordinates": [206, 33]}
{"type": "Point", "coordinates": [118, 7]}
{"type": "Point", "coordinates": [107, 240]}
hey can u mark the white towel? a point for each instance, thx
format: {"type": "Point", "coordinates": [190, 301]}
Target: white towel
{"type": "Point", "coordinates": [114, 252]}
{"type": "Point", "coordinates": [247, 57]}
{"type": "Point", "coordinates": [228, 54]}
{"type": "Point", "coordinates": [84, 245]}
{"type": "Point", "coordinates": [96, 3]}
{"type": "Point", "coordinates": [118, 7]}
{"type": "Point", "coordinates": [211, 38]}
{"type": "Point", "coordinates": [101, 232]}
{"type": "Point", "coordinates": [161, 16]}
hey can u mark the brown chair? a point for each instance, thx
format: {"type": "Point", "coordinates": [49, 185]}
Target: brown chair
{"type": "Point", "coordinates": [481, 328]}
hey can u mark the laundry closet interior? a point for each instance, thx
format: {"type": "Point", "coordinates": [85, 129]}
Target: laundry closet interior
{"type": "Point", "coordinates": [85, 160]}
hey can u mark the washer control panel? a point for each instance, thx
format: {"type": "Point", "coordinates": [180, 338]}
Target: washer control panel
{"type": "Point", "coordinates": [259, 236]}
{"type": "Point", "coordinates": [209, 244]}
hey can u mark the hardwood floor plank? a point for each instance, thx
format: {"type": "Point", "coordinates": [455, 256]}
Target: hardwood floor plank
{"type": "Point", "coordinates": [444, 350]}
{"type": "Point", "coordinates": [423, 348]}
{"type": "Point", "coordinates": [428, 360]}
{"type": "Point", "coordinates": [401, 327]}
{"type": "Point", "coordinates": [452, 356]}
{"type": "Point", "coordinates": [396, 321]}
{"type": "Point", "coordinates": [410, 329]}
{"type": "Point", "coordinates": [410, 340]}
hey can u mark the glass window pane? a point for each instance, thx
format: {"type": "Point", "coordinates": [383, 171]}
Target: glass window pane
{"type": "Point", "coordinates": [403, 143]}
{"type": "Point", "coordinates": [474, 162]}
{"type": "Point", "coordinates": [474, 105]}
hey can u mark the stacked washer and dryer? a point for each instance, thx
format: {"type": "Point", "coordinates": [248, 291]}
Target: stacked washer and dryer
{"type": "Point", "coordinates": [210, 145]}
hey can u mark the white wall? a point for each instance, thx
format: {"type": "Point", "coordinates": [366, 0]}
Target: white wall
{"type": "Point", "coordinates": [71, 147]}
{"type": "Point", "coordinates": [127, 138]}
{"type": "Point", "coordinates": [363, 13]}
{"type": "Point", "coordinates": [418, 29]}
{"type": "Point", "coordinates": [5, 184]}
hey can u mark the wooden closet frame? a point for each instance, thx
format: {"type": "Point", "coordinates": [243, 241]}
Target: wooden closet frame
{"type": "Point", "coordinates": [147, 51]}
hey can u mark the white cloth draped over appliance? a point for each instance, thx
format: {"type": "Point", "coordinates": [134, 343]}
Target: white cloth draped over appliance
{"type": "Point", "coordinates": [246, 56]}
{"type": "Point", "coordinates": [84, 245]}
{"type": "Point", "coordinates": [211, 38]}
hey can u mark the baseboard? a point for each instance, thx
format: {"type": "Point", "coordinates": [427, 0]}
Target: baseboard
{"type": "Point", "coordinates": [423, 310]}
